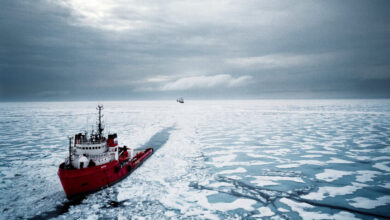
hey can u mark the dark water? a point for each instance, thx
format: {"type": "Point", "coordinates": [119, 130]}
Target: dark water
{"type": "Point", "coordinates": [291, 159]}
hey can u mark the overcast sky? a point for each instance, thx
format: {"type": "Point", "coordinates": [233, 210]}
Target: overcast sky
{"type": "Point", "coordinates": [146, 49]}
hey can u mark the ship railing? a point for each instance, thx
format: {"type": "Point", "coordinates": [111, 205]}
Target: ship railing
{"type": "Point", "coordinates": [90, 142]}
{"type": "Point", "coordinates": [97, 156]}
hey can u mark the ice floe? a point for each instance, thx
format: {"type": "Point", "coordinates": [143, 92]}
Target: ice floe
{"type": "Point", "coordinates": [264, 212]}
{"type": "Point", "coordinates": [386, 185]}
{"type": "Point", "coordinates": [320, 152]}
{"type": "Point", "coordinates": [311, 156]}
{"type": "Point", "coordinates": [366, 203]}
{"type": "Point", "coordinates": [330, 175]}
{"type": "Point", "coordinates": [383, 166]}
{"type": "Point", "coordinates": [237, 170]}
{"type": "Point", "coordinates": [237, 163]}
{"type": "Point", "coordinates": [246, 204]}
{"type": "Point", "coordinates": [338, 160]}
{"type": "Point", "coordinates": [301, 209]}
{"type": "Point", "coordinates": [382, 158]}
{"type": "Point", "coordinates": [332, 191]}
{"type": "Point", "coordinates": [282, 210]}
{"type": "Point", "coordinates": [292, 165]}
{"type": "Point", "coordinates": [366, 175]}
{"type": "Point", "coordinates": [272, 180]}
{"type": "Point", "coordinates": [298, 163]}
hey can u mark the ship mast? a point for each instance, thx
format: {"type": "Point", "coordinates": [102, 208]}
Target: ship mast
{"type": "Point", "coordinates": [70, 150]}
{"type": "Point", "coordinates": [100, 128]}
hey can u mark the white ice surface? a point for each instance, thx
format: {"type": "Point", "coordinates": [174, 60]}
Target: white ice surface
{"type": "Point", "coordinates": [246, 204]}
{"type": "Point", "coordinates": [338, 160]}
{"type": "Point", "coordinates": [331, 191]}
{"type": "Point", "coordinates": [366, 203]}
{"type": "Point", "coordinates": [366, 175]}
{"type": "Point", "coordinates": [311, 156]}
{"type": "Point", "coordinates": [330, 175]}
{"type": "Point", "coordinates": [264, 212]}
{"type": "Point", "coordinates": [386, 185]}
{"type": "Point", "coordinates": [383, 166]}
{"type": "Point", "coordinates": [237, 163]}
{"type": "Point", "coordinates": [273, 180]}
{"type": "Point", "coordinates": [237, 170]}
{"type": "Point", "coordinates": [302, 210]}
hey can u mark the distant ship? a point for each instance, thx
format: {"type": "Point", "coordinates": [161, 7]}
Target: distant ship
{"type": "Point", "coordinates": [96, 162]}
{"type": "Point", "coordinates": [180, 100]}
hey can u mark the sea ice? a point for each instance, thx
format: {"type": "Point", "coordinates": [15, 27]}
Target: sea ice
{"type": "Point", "coordinates": [272, 180]}
{"type": "Point", "coordinates": [246, 204]}
{"type": "Point", "coordinates": [382, 158]}
{"type": "Point", "coordinates": [330, 175]}
{"type": "Point", "coordinates": [386, 185]}
{"type": "Point", "coordinates": [264, 212]}
{"type": "Point", "coordinates": [366, 203]}
{"type": "Point", "coordinates": [282, 210]}
{"type": "Point", "coordinates": [366, 175]}
{"type": "Point", "coordinates": [311, 156]}
{"type": "Point", "coordinates": [301, 208]}
{"type": "Point", "coordinates": [237, 170]}
{"type": "Point", "coordinates": [219, 184]}
{"type": "Point", "coordinates": [237, 163]}
{"type": "Point", "coordinates": [330, 191]}
{"type": "Point", "coordinates": [253, 142]}
{"type": "Point", "coordinates": [337, 160]}
{"type": "Point", "coordinates": [292, 165]}
{"type": "Point", "coordinates": [224, 158]}
{"type": "Point", "coordinates": [320, 152]}
{"type": "Point", "coordinates": [383, 166]}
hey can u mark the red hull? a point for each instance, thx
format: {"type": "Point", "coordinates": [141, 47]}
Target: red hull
{"type": "Point", "coordinates": [83, 181]}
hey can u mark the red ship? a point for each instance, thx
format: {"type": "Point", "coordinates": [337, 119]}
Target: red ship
{"type": "Point", "coordinates": [96, 162]}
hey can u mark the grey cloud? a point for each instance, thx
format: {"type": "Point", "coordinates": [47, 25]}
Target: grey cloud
{"type": "Point", "coordinates": [132, 50]}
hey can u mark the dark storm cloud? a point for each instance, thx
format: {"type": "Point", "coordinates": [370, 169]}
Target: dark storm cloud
{"type": "Point", "coordinates": [256, 49]}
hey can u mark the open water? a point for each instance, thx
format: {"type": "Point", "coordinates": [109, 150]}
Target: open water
{"type": "Point", "coordinates": [260, 159]}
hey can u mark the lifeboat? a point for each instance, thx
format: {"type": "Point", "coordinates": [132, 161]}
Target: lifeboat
{"type": "Point", "coordinates": [96, 162]}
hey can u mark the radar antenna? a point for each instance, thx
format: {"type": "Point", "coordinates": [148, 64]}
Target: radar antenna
{"type": "Point", "coordinates": [100, 127]}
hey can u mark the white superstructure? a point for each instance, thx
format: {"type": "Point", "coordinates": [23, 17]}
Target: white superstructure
{"type": "Point", "coordinates": [95, 149]}
{"type": "Point", "coordinates": [93, 153]}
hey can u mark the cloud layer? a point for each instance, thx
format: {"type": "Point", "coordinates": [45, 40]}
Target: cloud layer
{"type": "Point", "coordinates": [125, 49]}
{"type": "Point", "coordinates": [204, 82]}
